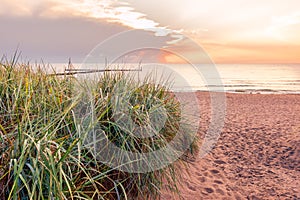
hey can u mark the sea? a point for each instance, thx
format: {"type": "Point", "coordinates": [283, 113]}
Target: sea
{"type": "Point", "coordinates": [235, 78]}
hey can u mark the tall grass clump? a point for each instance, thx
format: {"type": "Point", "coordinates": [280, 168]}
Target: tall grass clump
{"type": "Point", "coordinates": [140, 117]}
{"type": "Point", "coordinates": [36, 132]}
{"type": "Point", "coordinates": [42, 149]}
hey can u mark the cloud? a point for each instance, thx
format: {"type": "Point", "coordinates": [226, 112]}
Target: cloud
{"type": "Point", "coordinates": [47, 23]}
{"type": "Point", "coordinates": [53, 39]}
{"type": "Point", "coordinates": [75, 26]}
{"type": "Point", "coordinates": [107, 10]}
{"type": "Point", "coordinates": [224, 21]}
{"type": "Point", "coordinates": [284, 27]}
{"type": "Point", "coordinates": [119, 12]}
{"type": "Point", "coordinates": [25, 7]}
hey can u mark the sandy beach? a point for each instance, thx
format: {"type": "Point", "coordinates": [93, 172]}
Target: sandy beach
{"type": "Point", "coordinates": [257, 155]}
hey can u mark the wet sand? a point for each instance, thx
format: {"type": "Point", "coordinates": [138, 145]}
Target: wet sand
{"type": "Point", "coordinates": [257, 155]}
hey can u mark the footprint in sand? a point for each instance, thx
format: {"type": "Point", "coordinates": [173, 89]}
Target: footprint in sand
{"type": "Point", "coordinates": [214, 171]}
{"type": "Point", "coordinates": [218, 182]}
{"type": "Point", "coordinates": [207, 191]}
{"type": "Point", "coordinates": [191, 187]}
{"type": "Point", "coordinates": [220, 162]}
{"type": "Point", "coordinates": [221, 192]}
{"type": "Point", "coordinates": [202, 179]}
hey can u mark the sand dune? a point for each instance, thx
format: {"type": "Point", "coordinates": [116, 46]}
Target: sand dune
{"type": "Point", "coordinates": [257, 155]}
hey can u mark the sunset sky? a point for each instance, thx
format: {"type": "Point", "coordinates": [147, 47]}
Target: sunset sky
{"type": "Point", "coordinates": [231, 31]}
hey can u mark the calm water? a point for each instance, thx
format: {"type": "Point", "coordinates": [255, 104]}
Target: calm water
{"type": "Point", "coordinates": [246, 78]}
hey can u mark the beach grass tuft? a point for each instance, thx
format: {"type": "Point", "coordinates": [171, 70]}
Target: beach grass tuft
{"type": "Point", "coordinates": [42, 140]}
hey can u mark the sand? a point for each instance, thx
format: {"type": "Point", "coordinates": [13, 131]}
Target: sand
{"type": "Point", "coordinates": [257, 155]}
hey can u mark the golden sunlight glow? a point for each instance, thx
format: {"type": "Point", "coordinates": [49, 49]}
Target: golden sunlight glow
{"type": "Point", "coordinates": [171, 59]}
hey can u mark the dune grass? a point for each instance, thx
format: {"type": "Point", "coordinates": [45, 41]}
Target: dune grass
{"type": "Point", "coordinates": [42, 151]}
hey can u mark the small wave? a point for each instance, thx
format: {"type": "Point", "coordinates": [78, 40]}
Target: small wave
{"type": "Point", "coordinates": [263, 91]}
{"type": "Point", "coordinates": [232, 85]}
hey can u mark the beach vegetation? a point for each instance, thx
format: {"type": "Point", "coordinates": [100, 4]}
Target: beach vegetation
{"type": "Point", "coordinates": [43, 152]}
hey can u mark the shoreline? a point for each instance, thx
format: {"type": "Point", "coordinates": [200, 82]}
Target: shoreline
{"type": "Point", "coordinates": [276, 92]}
{"type": "Point", "coordinates": [250, 91]}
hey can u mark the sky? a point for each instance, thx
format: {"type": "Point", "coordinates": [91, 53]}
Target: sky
{"type": "Point", "coordinates": [231, 31]}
